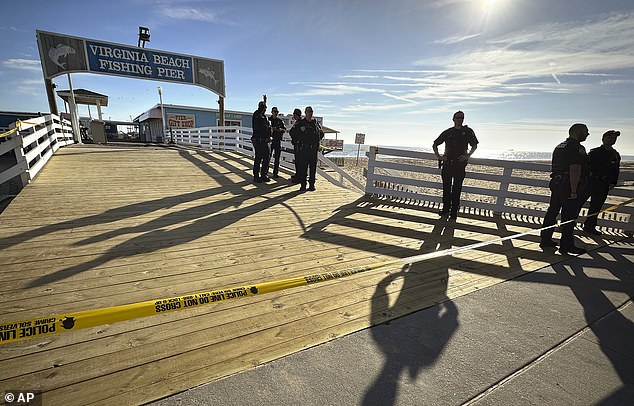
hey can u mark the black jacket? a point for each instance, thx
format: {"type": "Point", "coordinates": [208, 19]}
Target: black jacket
{"type": "Point", "coordinates": [604, 164]}
{"type": "Point", "coordinates": [260, 125]}
{"type": "Point", "coordinates": [569, 152]}
{"type": "Point", "coordinates": [311, 135]}
{"type": "Point", "coordinates": [277, 122]}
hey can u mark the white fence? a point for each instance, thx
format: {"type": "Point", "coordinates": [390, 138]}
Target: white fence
{"type": "Point", "coordinates": [498, 186]}
{"type": "Point", "coordinates": [34, 142]}
{"type": "Point", "coordinates": [238, 139]}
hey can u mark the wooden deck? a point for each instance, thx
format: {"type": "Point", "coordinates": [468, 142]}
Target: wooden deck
{"type": "Point", "coordinates": [109, 225]}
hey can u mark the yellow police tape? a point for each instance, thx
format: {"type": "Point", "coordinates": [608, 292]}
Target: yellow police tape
{"type": "Point", "coordinates": [43, 326]}
{"type": "Point", "coordinates": [21, 330]}
{"type": "Point", "coordinates": [18, 127]}
{"type": "Point", "coordinates": [7, 133]}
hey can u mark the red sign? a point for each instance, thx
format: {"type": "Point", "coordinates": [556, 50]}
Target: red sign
{"type": "Point", "coordinates": [181, 121]}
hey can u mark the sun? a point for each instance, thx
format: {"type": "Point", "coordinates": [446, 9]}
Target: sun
{"type": "Point", "coordinates": [491, 6]}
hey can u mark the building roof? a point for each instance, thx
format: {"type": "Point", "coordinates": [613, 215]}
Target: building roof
{"type": "Point", "coordinates": [329, 130]}
{"type": "Point", "coordinates": [83, 96]}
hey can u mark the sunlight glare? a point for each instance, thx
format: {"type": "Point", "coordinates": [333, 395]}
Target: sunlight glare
{"type": "Point", "coordinates": [491, 6]}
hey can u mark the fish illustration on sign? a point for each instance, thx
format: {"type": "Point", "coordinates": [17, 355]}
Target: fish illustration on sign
{"type": "Point", "coordinates": [209, 73]}
{"type": "Point", "coordinates": [60, 51]}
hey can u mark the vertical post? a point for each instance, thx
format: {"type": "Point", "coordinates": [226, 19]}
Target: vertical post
{"type": "Point", "coordinates": [369, 184]}
{"type": "Point", "coordinates": [50, 94]}
{"type": "Point", "coordinates": [505, 180]}
{"type": "Point", "coordinates": [221, 110]}
{"type": "Point", "coordinates": [163, 126]}
{"type": "Point", "coordinates": [99, 110]}
{"type": "Point", "coordinates": [74, 120]}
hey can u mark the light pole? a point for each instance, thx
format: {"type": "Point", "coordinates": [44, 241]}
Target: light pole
{"type": "Point", "coordinates": [144, 36]}
{"type": "Point", "coordinates": [160, 92]}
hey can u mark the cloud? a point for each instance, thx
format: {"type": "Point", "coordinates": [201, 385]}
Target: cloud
{"type": "Point", "coordinates": [456, 38]}
{"type": "Point", "coordinates": [552, 52]}
{"type": "Point", "coordinates": [617, 82]}
{"type": "Point", "coordinates": [375, 107]}
{"type": "Point", "coordinates": [443, 3]}
{"type": "Point", "coordinates": [562, 58]}
{"type": "Point", "coordinates": [24, 64]}
{"type": "Point", "coordinates": [594, 46]}
{"type": "Point", "coordinates": [190, 13]}
{"type": "Point", "coordinates": [333, 89]}
{"type": "Point", "coordinates": [12, 28]}
{"type": "Point", "coordinates": [399, 98]}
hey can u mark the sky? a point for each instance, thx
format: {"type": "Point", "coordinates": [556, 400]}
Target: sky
{"type": "Point", "coordinates": [523, 71]}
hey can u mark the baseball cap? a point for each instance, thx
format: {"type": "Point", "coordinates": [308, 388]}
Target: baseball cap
{"type": "Point", "coordinates": [611, 132]}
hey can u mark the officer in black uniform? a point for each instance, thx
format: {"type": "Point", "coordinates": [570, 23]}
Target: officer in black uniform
{"type": "Point", "coordinates": [310, 133]}
{"type": "Point", "coordinates": [453, 162]}
{"type": "Point", "coordinates": [278, 128]}
{"type": "Point", "coordinates": [260, 139]}
{"type": "Point", "coordinates": [568, 182]}
{"type": "Point", "coordinates": [604, 162]}
{"type": "Point", "coordinates": [294, 132]}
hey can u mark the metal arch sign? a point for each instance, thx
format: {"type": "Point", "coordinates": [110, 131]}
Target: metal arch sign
{"type": "Point", "coordinates": [61, 54]}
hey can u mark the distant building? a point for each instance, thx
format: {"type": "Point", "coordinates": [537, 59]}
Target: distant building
{"type": "Point", "coordinates": [151, 128]}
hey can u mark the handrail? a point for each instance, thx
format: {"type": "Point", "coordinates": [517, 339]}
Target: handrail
{"type": "Point", "coordinates": [34, 142]}
{"type": "Point", "coordinates": [238, 139]}
{"type": "Point", "coordinates": [503, 187]}
{"type": "Point", "coordinates": [341, 172]}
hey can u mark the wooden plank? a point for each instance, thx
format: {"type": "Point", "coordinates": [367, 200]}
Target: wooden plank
{"type": "Point", "coordinates": [164, 222]}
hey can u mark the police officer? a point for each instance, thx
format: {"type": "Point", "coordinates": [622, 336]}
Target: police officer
{"type": "Point", "coordinates": [453, 162]}
{"type": "Point", "coordinates": [260, 139]}
{"type": "Point", "coordinates": [278, 128]}
{"type": "Point", "coordinates": [310, 133]}
{"type": "Point", "coordinates": [604, 162]}
{"type": "Point", "coordinates": [567, 183]}
{"type": "Point", "coordinates": [294, 132]}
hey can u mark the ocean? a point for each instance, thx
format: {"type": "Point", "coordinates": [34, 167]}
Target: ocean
{"type": "Point", "coordinates": [350, 150]}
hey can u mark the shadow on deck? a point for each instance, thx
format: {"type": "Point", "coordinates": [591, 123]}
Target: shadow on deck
{"type": "Point", "coordinates": [110, 225]}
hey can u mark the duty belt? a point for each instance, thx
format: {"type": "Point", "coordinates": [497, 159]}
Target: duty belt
{"type": "Point", "coordinates": [598, 177]}
{"type": "Point", "coordinates": [559, 174]}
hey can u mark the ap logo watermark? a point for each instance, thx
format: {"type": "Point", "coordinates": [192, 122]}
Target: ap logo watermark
{"type": "Point", "coordinates": [23, 397]}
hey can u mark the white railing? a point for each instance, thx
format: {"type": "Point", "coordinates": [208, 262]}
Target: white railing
{"type": "Point", "coordinates": [34, 142]}
{"type": "Point", "coordinates": [498, 186]}
{"type": "Point", "coordinates": [238, 139]}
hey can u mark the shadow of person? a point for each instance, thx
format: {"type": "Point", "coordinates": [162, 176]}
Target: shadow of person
{"type": "Point", "coordinates": [613, 330]}
{"type": "Point", "coordinates": [413, 343]}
